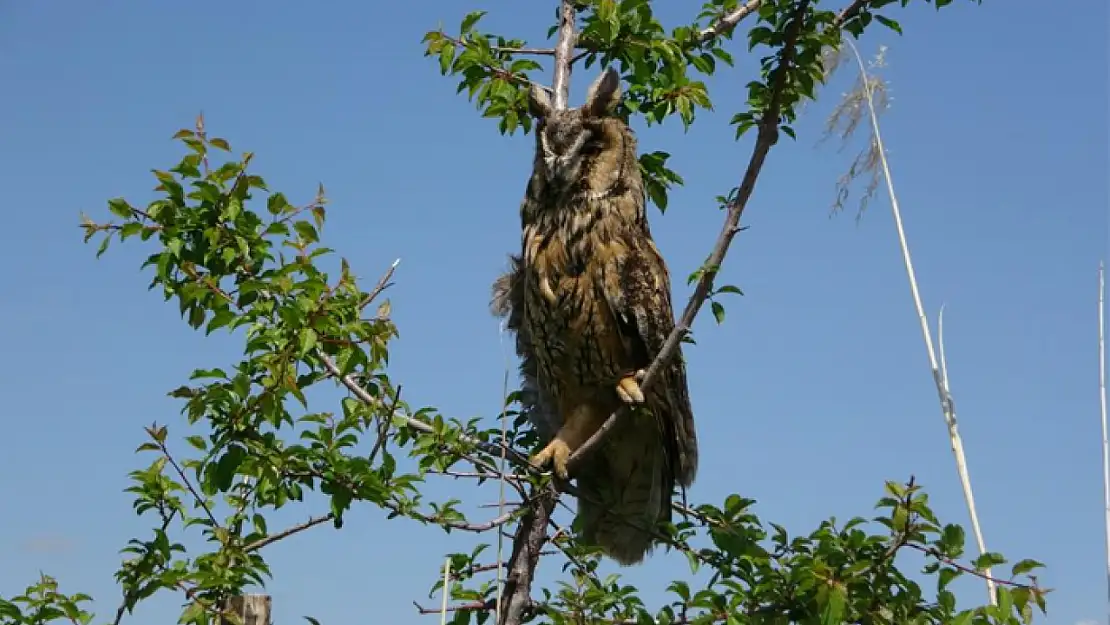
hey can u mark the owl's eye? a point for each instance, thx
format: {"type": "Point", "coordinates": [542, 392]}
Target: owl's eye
{"type": "Point", "coordinates": [592, 147]}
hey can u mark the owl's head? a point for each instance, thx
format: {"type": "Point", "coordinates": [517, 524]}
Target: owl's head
{"type": "Point", "coordinates": [568, 140]}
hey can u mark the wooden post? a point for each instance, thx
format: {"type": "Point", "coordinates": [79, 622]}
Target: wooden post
{"type": "Point", "coordinates": [252, 609]}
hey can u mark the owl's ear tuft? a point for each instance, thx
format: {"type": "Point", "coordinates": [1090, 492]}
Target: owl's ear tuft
{"type": "Point", "coordinates": [539, 102]}
{"type": "Point", "coordinates": [604, 94]}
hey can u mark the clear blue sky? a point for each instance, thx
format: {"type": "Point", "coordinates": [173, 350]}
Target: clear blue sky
{"type": "Point", "coordinates": [814, 391]}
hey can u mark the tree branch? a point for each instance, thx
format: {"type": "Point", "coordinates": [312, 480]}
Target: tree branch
{"type": "Point", "coordinates": [564, 48]}
{"type": "Point", "coordinates": [722, 26]}
{"type": "Point", "coordinates": [531, 534]}
{"type": "Point", "coordinates": [300, 527]}
{"type": "Point", "coordinates": [726, 23]}
{"type": "Point", "coordinates": [767, 136]}
{"type": "Point", "coordinates": [473, 606]}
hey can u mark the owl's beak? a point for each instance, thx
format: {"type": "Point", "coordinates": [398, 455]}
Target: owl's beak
{"type": "Point", "coordinates": [560, 169]}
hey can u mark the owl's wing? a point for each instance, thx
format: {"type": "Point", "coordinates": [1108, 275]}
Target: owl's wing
{"type": "Point", "coordinates": [637, 288]}
{"type": "Point", "coordinates": [507, 302]}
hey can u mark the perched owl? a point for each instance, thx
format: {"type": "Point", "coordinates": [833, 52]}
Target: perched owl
{"type": "Point", "coordinates": [589, 298]}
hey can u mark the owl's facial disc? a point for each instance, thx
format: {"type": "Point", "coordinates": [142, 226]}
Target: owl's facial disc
{"type": "Point", "coordinates": [565, 148]}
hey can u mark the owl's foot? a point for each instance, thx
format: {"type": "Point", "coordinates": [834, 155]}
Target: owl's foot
{"type": "Point", "coordinates": [558, 453]}
{"type": "Point", "coordinates": [628, 389]}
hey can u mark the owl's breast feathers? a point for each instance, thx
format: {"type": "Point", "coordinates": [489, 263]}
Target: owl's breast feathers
{"type": "Point", "coordinates": [597, 306]}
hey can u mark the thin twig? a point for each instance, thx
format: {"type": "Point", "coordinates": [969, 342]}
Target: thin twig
{"type": "Point", "coordinates": [352, 385]}
{"type": "Point", "coordinates": [383, 425]}
{"type": "Point", "coordinates": [478, 475]}
{"type": "Point", "coordinates": [728, 22]}
{"type": "Point", "coordinates": [466, 527]}
{"type": "Point", "coordinates": [188, 483]}
{"type": "Point", "coordinates": [984, 574]}
{"type": "Point", "coordinates": [502, 467]}
{"type": "Point", "coordinates": [382, 285]}
{"type": "Point", "coordinates": [473, 606]}
{"type": "Point", "coordinates": [300, 527]}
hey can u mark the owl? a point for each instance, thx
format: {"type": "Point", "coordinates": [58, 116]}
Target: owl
{"type": "Point", "coordinates": [589, 298]}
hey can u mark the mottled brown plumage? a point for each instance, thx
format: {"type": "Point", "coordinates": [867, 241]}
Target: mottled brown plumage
{"type": "Point", "coordinates": [589, 299]}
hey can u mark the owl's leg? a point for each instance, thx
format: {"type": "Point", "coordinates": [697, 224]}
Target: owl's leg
{"type": "Point", "coordinates": [628, 388]}
{"type": "Point", "coordinates": [579, 424]}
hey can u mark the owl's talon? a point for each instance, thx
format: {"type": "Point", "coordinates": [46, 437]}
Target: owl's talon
{"type": "Point", "coordinates": [628, 389]}
{"type": "Point", "coordinates": [558, 453]}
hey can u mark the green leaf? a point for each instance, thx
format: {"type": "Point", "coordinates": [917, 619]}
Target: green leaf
{"type": "Point", "coordinates": [219, 320]}
{"type": "Point", "coordinates": [470, 20]}
{"type": "Point", "coordinates": [889, 23]}
{"type": "Point", "coordinates": [307, 341]}
{"type": "Point", "coordinates": [1024, 566]}
{"type": "Point", "coordinates": [306, 231]}
{"type": "Point", "coordinates": [121, 208]}
{"type": "Point", "coordinates": [718, 311]}
{"type": "Point", "coordinates": [446, 56]}
{"type": "Point", "coordinates": [224, 471]}
{"type": "Point", "coordinates": [833, 611]}
{"type": "Point", "coordinates": [988, 560]}
{"type": "Point", "coordinates": [276, 203]}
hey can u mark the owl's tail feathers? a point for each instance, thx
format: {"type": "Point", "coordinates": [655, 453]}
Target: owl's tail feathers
{"type": "Point", "coordinates": [625, 493]}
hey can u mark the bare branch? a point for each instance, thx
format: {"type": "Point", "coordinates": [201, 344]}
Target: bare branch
{"type": "Point", "coordinates": [473, 606]}
{"type": "Point", "coordinates": [564, 47]}
{"type": "Point", "coordinates": [525, 51]}
{"type": "Point", "coordinates": [531, 534]}
{"type": "Point", "coordinates": [361, 393]}
{"type": "Point", "coordinates": [382, 285]}
{"type": "Point", "coordinates": [728, 22]}
{"type": "Point", "coordinates": [181, 474]}
{"type": "Point", "coordinates": [300, 527]}
{"type": "Point", "coordinates": [478, 475]}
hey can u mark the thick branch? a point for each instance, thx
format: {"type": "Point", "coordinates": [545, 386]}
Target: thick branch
{"type": "Point", "coordinates": [564, 49]}
{"type": "Point", "coordinates": [531, 534]}
{"type": "Point", "coordinates": [768, 135]}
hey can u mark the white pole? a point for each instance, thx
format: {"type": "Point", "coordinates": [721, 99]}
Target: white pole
{"type": "Point", "coordinates": [1102, 401]}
